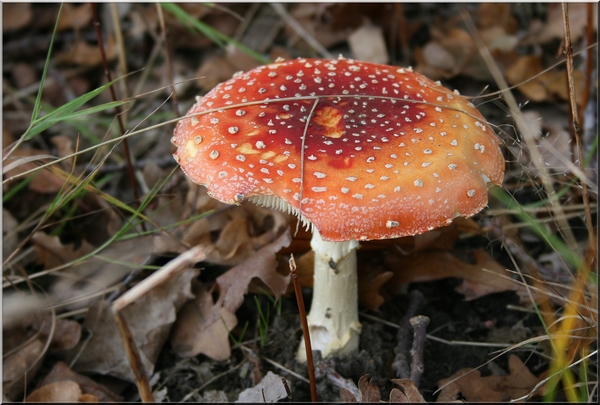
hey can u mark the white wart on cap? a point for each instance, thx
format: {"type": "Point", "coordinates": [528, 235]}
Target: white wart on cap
{"type": "Point", "coordinates": [361, 150]}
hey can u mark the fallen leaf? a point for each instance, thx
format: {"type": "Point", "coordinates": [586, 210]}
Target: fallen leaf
{"type": "Point", "coordinates": [369, 289]}
{"type": "Point", "coordinates": [10, 238]}
{"type": "Point", "coordinates": [368, 44]}
{"type": "Point", "coordinates": [84, 54]}
{"type": "Point", "coordinates": [20, 367]}
{"type": "Point", "coordinates": [16, 16]}
{"type": "Point", "coordinates": [470, 385]}
{"type": "Point", "coordinates": [203, 327]}
{"type": "Point", "coordinates": [61, 373]}
{"type": "Point", "coordinates": [60, 391]}
{"type": "Point", "coordinates": [408, 392]}
{"type": "Point", "coordinates": [270, 389]}
{"type": "Point", "coordinates": [84, 283]}
{"type": "Point", "coordinates": [150, 319]}
{"type": "Point", "coordinates": [74, 17]}
{"type": "Point", "coordinates": [51, 252]}
{"type": "Point", "coordinates": [233, 285]}
{"type": "Point", "coordinates": [65, 334]}
{"type": "Point", "coordinates": [435, 265]}
{"type": "Point", "coordinates": [369, 392]}
{"type": "Point", "coordinates": [22, 160]}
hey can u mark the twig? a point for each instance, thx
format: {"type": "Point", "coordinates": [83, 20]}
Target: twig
{"type": "Point", "coordinates": [417, 367]}
{"type": "Point", "coordinates": [163, 33]}
{"type": "Point", "coordinates": [126, 151]}
{"type": "Point", "coordinates": [400, 363]}
{"type": "Point", "coordinates": [326, 369]}
{"type": "Point", "coordinates": [576, 126]}
{"type": "Point", "coordinates": [135, 360]}
{"type": "Point", "coordinates": [305, 332]}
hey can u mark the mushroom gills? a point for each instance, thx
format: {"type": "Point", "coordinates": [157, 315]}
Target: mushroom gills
{"type": "Point", "coordinates": [280, 204]}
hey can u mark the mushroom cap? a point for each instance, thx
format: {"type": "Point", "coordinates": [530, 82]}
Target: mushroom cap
{"type": "Point", "coordinates": [361, 150]}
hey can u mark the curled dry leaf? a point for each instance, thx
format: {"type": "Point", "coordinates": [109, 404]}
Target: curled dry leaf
{"type": "Point", "coordinates": [242, 232]}
{"type": "Point", "coordinates": [470, 385]}
{"type": "Point", "coordinates": [408, 392]}
{"type": "Point", "coordinates": [150, 319]}
{"type": "Point", "coordinates": [369, 392]}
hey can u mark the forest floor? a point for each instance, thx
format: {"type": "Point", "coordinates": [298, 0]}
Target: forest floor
{"type": "Point", "coordinates": [510, 294]}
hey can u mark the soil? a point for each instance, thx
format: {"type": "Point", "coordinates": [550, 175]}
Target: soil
{"type": "Point", "coordinates": [452, 318]}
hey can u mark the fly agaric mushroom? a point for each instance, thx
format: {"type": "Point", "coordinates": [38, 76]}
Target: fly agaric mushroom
{"type": "Point", "coordinates": [356, 150]}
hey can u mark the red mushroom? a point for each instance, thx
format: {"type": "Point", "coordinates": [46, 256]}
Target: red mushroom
{"type": "Point", "coordinates": [356, 150]}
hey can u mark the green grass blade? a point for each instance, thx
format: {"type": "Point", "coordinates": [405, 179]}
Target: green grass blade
{"type": "Point", "coordinates": [552, 240]}
{"type": "Point", "coordinates": [68, 111]}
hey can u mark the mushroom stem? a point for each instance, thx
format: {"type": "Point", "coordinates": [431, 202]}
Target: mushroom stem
{"type": "Point", "coordinates": [333, 318]}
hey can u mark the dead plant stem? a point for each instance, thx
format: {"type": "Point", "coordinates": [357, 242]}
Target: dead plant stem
{"type": "Point", "coordinates": [126, 151]}
{"type": "Point", "coordinates": [163, 34]}
{"type": "Point", "coordinates": [305, 331]}
{"type": "Point", "coordinates": [576, 124]}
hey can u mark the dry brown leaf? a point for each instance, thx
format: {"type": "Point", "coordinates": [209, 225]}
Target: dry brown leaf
{"type": "Point", "coordinates": [233, 285]}
{"type": "Point", "coordinates": [241, 232]}
{"type": "Point", "coordinates": [15, 16]}
{"type": "Point", "coordinates": [469, 384]}
{"type": "Point", "coordinates": [74, 17]}
{"type": "Point", "coordinates": [150, 319]}
{"type": "Point", "coordinates": [84, 54]}
{"type": "Point", "coordinates": [369, 289]}
{"type": "Point", "coordinates": [20, 367]}
{"type": "Point", "coordinates": [545, 86]}
{"type": "Point", "coordinates": [496, 15]}
{"type": "Point", "coordinates": [61, 372]}
{"type": "Point", "coordinates": [66, 333]}
{"type": "Point", "coordinates": [10, 238]}
{"type": "Point", "coordinates": [408, 392]}
{"type": "Point", "coordinates": [203, 327]}
{"type": "Point", "coordinates": [23, 74]}
{"type": "Point", "coordinates": [52, 252]}
{"type": "Point", "coordinates": [84, 283]}
{"type": "Point", "coordinates": [435, 265]}
{"type": "Point", "coordinates": [44, 182]}
{"type": "Point", "coordinates": [60, 391]}
{"type": "Point", "coordinates": [369, 392]}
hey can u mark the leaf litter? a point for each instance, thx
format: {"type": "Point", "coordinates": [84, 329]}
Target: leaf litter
{"type": "Point", "coordinates": [245, 240]}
